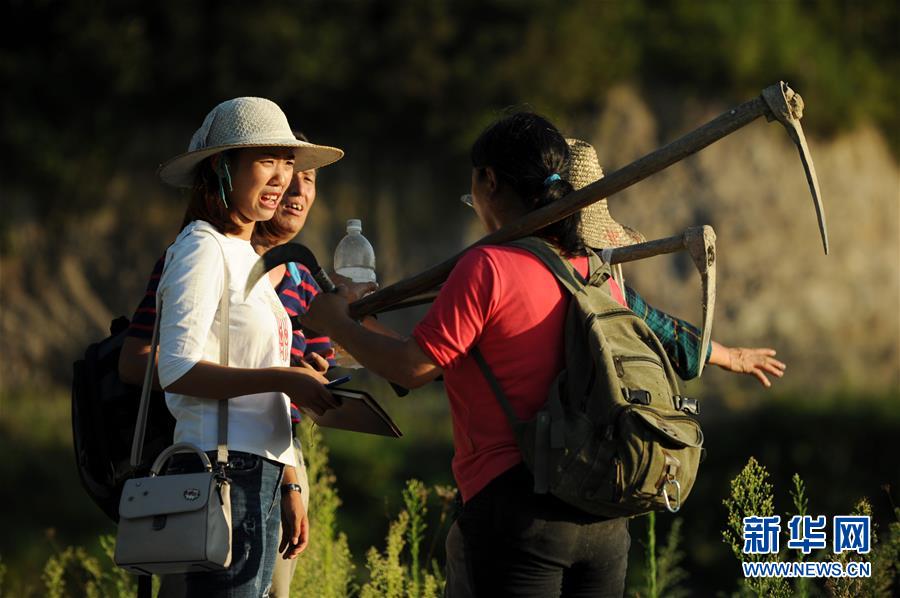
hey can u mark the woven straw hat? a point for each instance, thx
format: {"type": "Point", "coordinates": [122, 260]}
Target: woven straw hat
{"type": "Point", "coordinates": [598, 229]}
{"type": "Point", "coordinates": [239, 123]}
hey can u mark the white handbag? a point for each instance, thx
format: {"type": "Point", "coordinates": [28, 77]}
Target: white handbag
{"type": "Point", "coordinates": [180, 523]}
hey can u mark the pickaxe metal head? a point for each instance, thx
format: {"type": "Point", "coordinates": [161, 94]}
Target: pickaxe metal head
{"type": "Point", "coordinates": [700, 242]}
{"type": "Point", "coordinates": [289, 252]}
{"type": "Point", "coordinates": [786, 106]}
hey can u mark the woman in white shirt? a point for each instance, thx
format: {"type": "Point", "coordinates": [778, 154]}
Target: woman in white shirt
{"type": "Point", "coordinates": [238, 165]}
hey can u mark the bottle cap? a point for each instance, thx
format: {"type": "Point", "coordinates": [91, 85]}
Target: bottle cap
{"type": "Point", "coordinates": [354, 224]}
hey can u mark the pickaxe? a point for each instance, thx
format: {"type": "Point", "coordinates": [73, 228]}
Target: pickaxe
{"type": "Point", "coordinates": [777, 102]}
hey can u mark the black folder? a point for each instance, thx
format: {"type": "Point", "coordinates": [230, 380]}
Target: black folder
{"type": "Point", "coordinates": [358, 412]}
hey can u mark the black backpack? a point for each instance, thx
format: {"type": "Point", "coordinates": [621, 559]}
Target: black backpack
{"type": "Point", "coordinates": [104, 413]}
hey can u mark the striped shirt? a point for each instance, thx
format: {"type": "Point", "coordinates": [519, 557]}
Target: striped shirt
{"type": "Point", "coordinates": [296, 290]}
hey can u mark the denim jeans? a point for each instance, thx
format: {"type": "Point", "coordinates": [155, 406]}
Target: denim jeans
{"type": "Point", "coordinates": [256, 521]}
{"type": "Point", "coordinates": [518, 543]}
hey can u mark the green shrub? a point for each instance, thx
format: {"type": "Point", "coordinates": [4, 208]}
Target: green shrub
{"type": "Point", "coordinates": [2, 575]}
{"type": "Point", "coordinates": [390, 574]}
{"type": "Point", "coordinates": [663, 573]}
{"type": "Point", "coordinates": [326, 567]}
{"type": "Point", "coordinates": [752, 494]}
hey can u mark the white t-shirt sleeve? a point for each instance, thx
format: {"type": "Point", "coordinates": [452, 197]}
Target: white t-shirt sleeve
{"type": "Point", "coordinates": [190, 288]}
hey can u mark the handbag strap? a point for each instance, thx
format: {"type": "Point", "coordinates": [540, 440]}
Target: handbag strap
{"type": "Point", "coordinates": [224, 320]}
{"type": "Point", "coordinates": [140, 429]}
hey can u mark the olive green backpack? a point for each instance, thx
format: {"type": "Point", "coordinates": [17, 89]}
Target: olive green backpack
{"type": "Point", "coordinates": [615, 437]}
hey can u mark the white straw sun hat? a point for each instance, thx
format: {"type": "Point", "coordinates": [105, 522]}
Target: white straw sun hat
{"type": "Point", "coordinates": [239, 123]}
{"type": "Point", "coordinates": [597, 228]}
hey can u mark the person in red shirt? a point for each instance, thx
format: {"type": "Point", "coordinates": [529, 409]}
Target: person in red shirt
{"type": "Point", "coordinates": [507, 303]}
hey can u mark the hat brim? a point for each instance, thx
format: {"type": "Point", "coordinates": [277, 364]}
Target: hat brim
{"type": "Point", "coordinates": [179, 171]}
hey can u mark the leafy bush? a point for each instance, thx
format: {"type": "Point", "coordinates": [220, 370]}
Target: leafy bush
{"type": "Point", "coordinates": [752, 495]}
{"type": "Point", "coordinates": [326, 567]}
{"type": "Point", "coordinates": [389, 575]}
{"type": "Point", "coordinates": [2, 575]}
{"type": "Point", "coordinates": [75, 572]}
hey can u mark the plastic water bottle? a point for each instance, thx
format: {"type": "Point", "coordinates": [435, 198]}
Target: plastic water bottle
{"type": "Point", "coordinates": [355, 259]}
{"type": "Point", "coordinates": [354, 256]}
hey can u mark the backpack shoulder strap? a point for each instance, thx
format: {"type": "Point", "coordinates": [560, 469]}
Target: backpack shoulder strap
{"type": "Point", "coordinates": [495, 386]}
{"type": "Point", "coordinates": [561, 268]}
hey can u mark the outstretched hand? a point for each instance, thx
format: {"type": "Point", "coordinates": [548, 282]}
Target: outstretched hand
{"type": "Point", "coordinates": [756, 361]}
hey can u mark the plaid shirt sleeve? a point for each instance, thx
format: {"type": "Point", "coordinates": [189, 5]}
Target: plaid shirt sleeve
{"type": "Point", "coordinates": [680, 339]}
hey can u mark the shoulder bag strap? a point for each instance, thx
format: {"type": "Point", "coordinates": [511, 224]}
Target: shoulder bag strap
{"type": "Point", "coordinates": [224, 322]}
{"type": "Point", "coordinates": [140, 428]}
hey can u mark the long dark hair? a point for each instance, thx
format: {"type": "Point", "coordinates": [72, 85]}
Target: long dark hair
{"type": "Point", "coordinates": [206, 203]}
{"type": "Point", "coordinates": [524, 149]}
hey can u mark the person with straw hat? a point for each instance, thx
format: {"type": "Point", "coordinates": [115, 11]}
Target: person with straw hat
{"type": "Point", "coordinates": [295, 287]}
{"type": "Point", "coordinates": [238, 166]}
{"type": "Point", "coordinates": [681, 339]}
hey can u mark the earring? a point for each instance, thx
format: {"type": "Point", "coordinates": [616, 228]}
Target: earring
{"type": "Point", "coordinates": [222, 193]}
{"type": "Point", "coordinates": [223, 166]}
{"type": "Point", "coordinates": [227, 173]}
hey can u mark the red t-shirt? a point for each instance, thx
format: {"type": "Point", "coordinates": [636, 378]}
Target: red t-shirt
{"type": "Point", "coordinates": [505, 301]}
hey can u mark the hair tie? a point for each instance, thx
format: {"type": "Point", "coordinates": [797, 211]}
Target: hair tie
{"type": "Point", "coordinates": [551, 179]}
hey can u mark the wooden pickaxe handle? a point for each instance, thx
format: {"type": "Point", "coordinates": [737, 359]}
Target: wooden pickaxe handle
{"type": "Point", "coordinates": [719, 127]}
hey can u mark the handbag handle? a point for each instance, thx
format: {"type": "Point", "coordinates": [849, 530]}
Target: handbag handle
{"type": "Point", "coordinates": [140, 428]}
{"type": "Point", "coordinates": [176, 449]}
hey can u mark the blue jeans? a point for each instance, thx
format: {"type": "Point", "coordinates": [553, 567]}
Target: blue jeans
{"type": "Point", "coordinates": [518, 543]}
{"type": "Point", "coordinates": [255, 519]}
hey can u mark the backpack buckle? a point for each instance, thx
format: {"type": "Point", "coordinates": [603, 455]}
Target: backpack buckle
{"type": "Point", "coordinates": [637, 396]}
{"type": "Point", "coordinates": [687, 404]}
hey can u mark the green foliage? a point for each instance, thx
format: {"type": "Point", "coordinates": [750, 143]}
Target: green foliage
{"type": "Point", "coordinates": [387, 575]}
{"type": "Point", "coordinates": [751, 495]}
{"type": "Point", "coordinates": [326, 566]}
{"type": "Point", "coordinates": [884, 559]}
{"type": "Point", "coordinates": [390, 574]}
{"type": "Point", "coordinates": [2, 575]}
{"type": "Point", "coordinates": [663, 573]}
{"type": "Point", "coordinates": [73, 573]}
{"type": "Point", "coordinates": [669, 573]}
{"type": "Point", "coordinates": [415, 496]}
{"type": "Point", "coordinates": [885, 579]}
{"type": "Point", "coordinates": [117, 580]}
{"type": "Point", "coordinates": [650, 571]}
{"type": "Point", "coordinates": [798, 498]}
